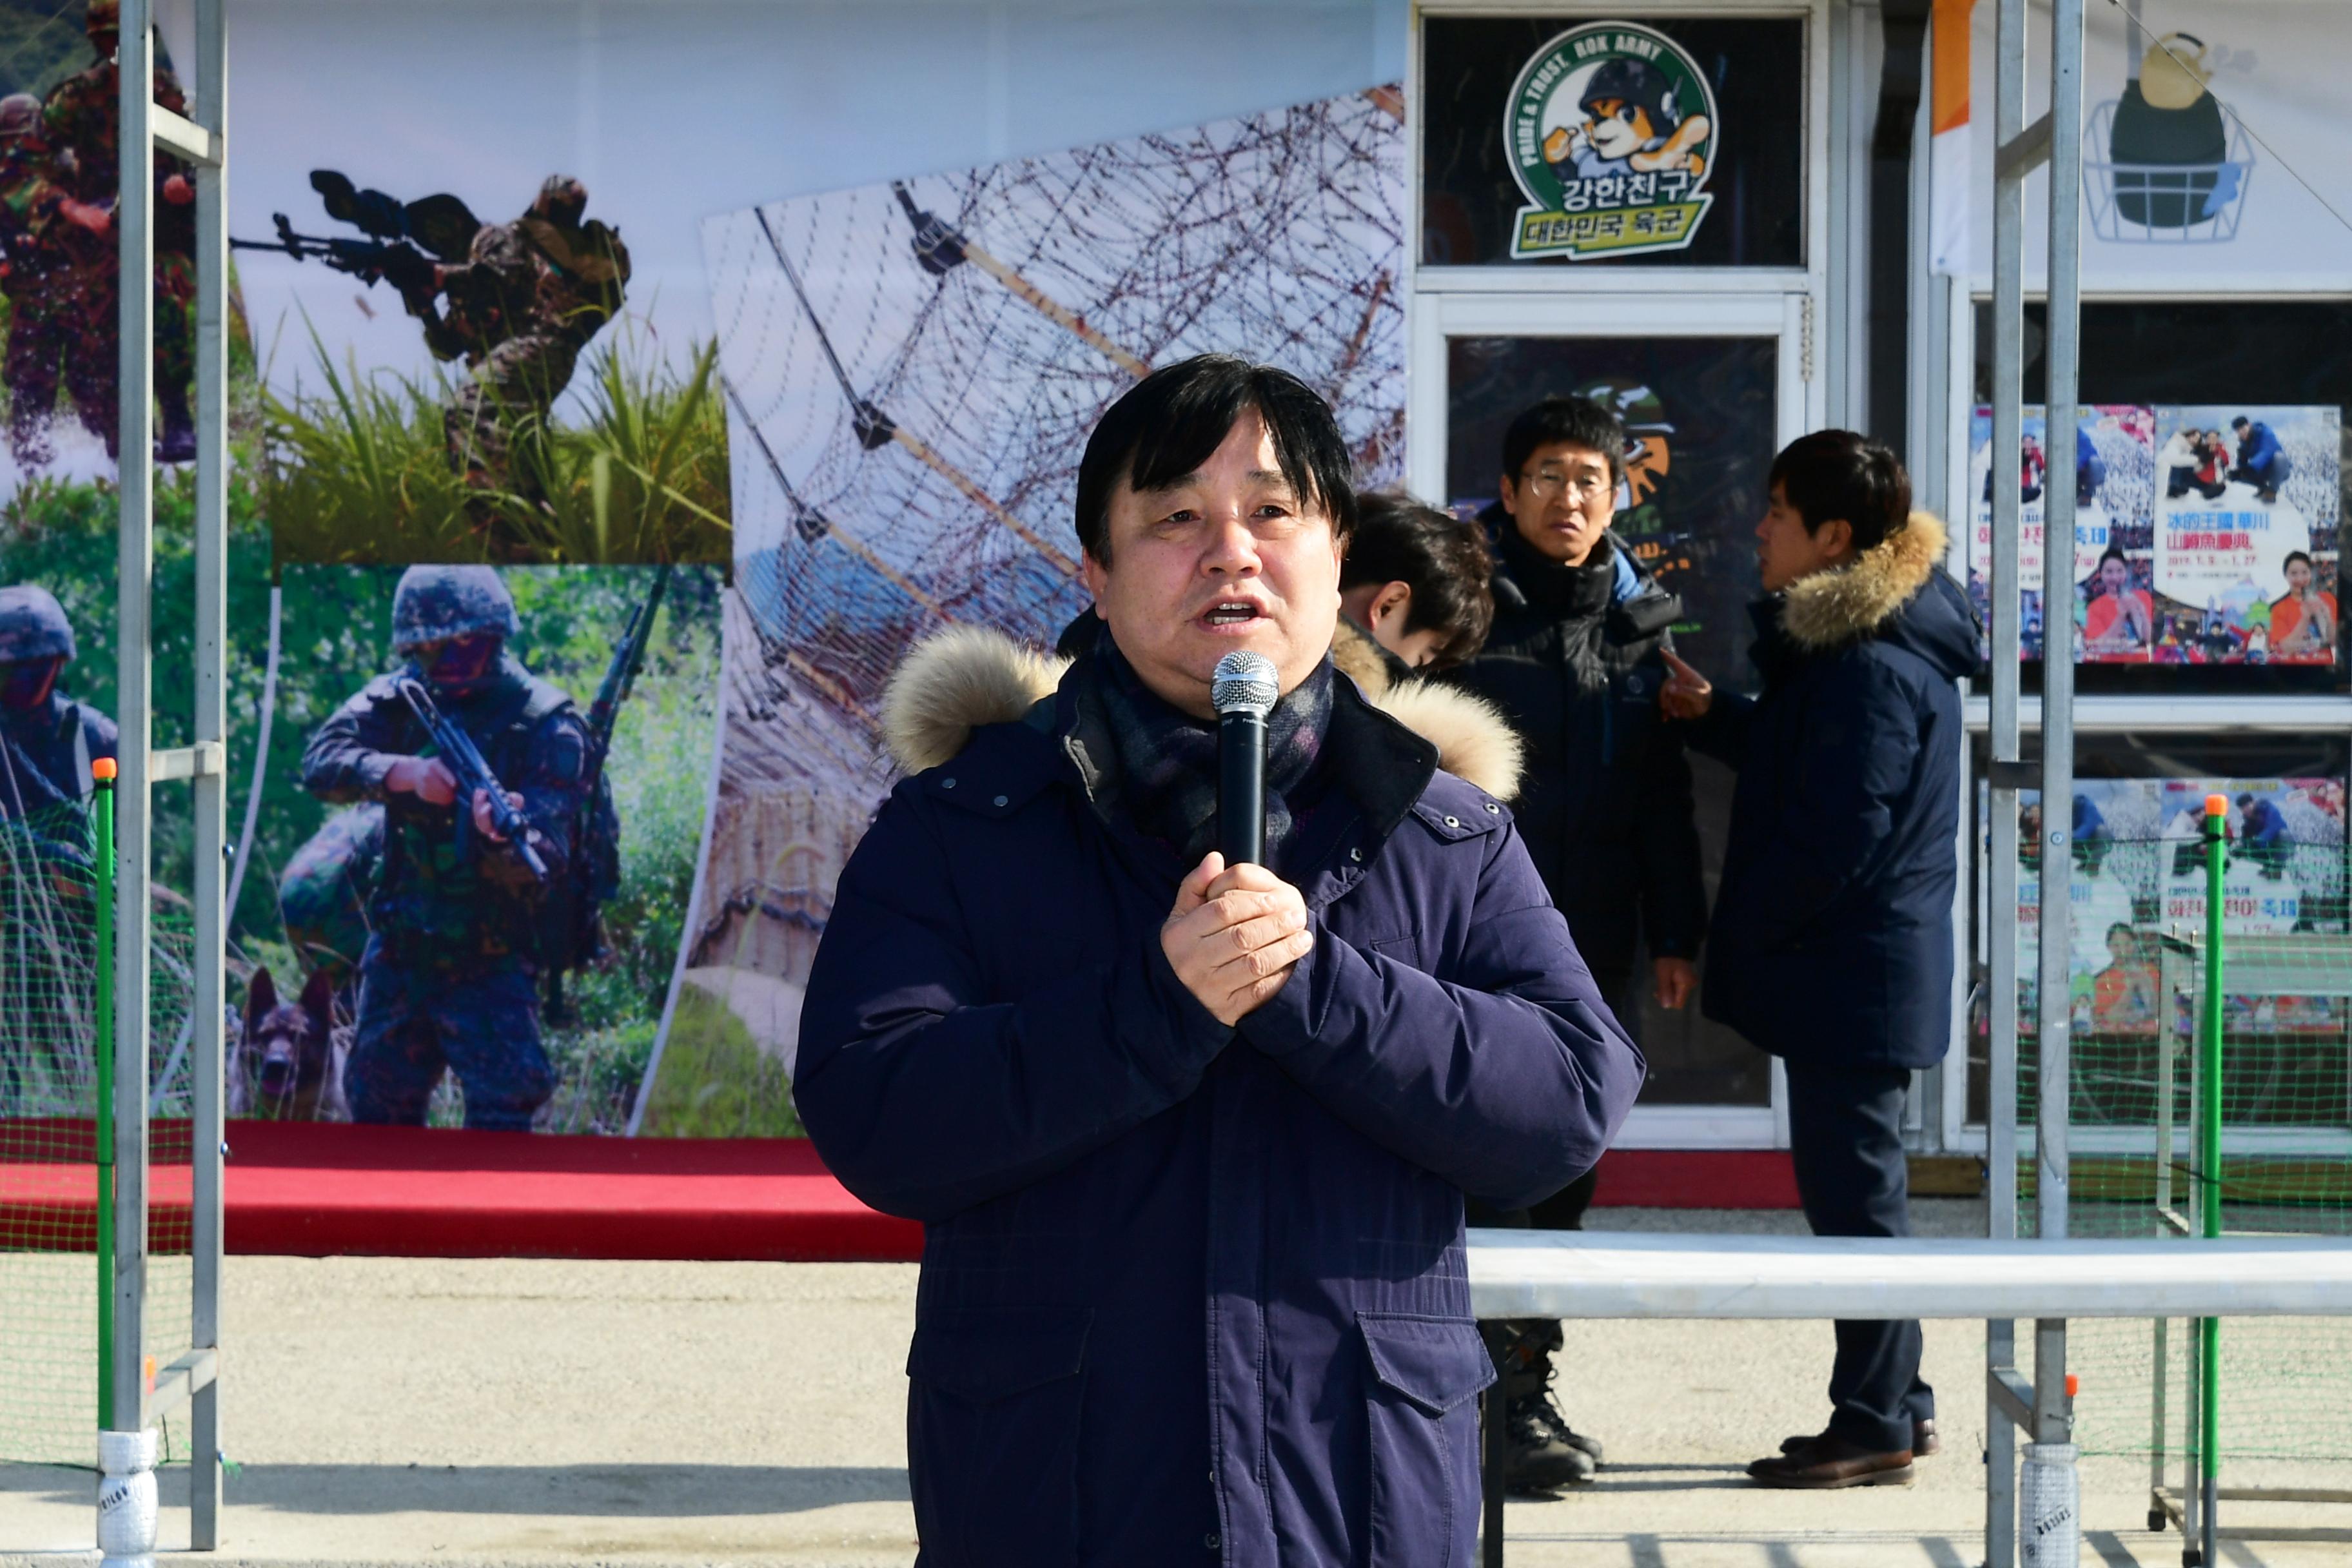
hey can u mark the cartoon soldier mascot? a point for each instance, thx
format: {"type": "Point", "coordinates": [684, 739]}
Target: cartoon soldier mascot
{"type": "Point", "coordinates": [1634, 123]}
{"type": "Point", "coordinates": [477, 838]}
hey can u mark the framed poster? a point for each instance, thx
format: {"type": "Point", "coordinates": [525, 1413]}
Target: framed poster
{"type": "Point", "coordinates": [2110, 463]}
{"type": "Point", "coordinates": [2248, 509]}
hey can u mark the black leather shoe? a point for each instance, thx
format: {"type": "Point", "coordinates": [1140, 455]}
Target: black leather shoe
{"type": "Point", "coordinates": [1924, 1441]}
{"type": "Point", "coordinates": [1826, 1463]}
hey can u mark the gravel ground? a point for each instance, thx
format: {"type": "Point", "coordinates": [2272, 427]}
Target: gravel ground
{"type": "Point", "coordinates": [393, 1410]}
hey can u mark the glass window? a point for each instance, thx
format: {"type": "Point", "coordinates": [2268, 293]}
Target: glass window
{"type": "Point", "coordinates": [2190, 371]}
{"type": "Point", "coordinates": [2135, 873]}
{"type": "Point", "coordinates": [1700, 421]}
{"type": "Point", "coordinates": [1699, 416]}
{"type": "Point", "coordinates": [1557, 140]}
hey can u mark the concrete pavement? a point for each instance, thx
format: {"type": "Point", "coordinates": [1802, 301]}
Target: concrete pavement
{"type": "Point", "coordinates": [385, 1410]}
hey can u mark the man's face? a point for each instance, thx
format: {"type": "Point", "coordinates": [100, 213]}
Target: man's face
{"type": "Point", "coordinates": [459, 663]}
{"type": "Point", "coordinates": [1226, 557]}
{"type": "Point", "coordinates": [1562, 499]}
{"type": "Point", "coordinates": [1785, 551]}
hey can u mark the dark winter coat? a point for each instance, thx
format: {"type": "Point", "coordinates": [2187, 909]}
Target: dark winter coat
{"type": "Point", "coordinates": [1191, 1295]}
{"type": "Point", "coordinates": [1573, 662]}
{"type": "Point", "coordinates": [1832, 938]}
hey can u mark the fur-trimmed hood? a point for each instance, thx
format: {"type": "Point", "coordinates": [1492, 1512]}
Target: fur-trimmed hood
{"type": "Point", "coordinates": [951, 683]}
{"type": "Point", "coordinates": [1830, 610]}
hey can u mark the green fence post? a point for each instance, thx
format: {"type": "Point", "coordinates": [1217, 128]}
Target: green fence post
{"type": "Point", "coordinates": [2209, 1159]}
{"type": "Point", "coordinates": [101, 806]}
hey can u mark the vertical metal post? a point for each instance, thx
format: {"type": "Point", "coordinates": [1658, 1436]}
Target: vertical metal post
{"type": "Point", "coordinates": [207, 1076]}
{"type": "Point", "coordinates": [2061, 358]}
{"type": "Point", "coordinates": [2054, 1414]}
{"type": "Point", "coordinates": [2209, 1161]}
{"type": "Point", "coordinates": [135, 588]}
{"type": "Point", "coordinates": [101, 811]}
{"type": "Point", "coordinates": [2007, 399]}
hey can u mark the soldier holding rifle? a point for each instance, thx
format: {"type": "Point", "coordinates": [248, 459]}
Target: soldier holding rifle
{"type": "Point", "coordinates": [482, 769]}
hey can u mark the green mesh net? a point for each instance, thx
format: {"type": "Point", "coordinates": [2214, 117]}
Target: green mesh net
{"type": "Point", "coordinates": [48, 1031]}
{"type": "Point", "coordinates": [2139, 893]}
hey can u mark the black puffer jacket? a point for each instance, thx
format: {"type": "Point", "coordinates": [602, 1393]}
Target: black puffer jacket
{"type": "Point", "coordinates": [1833, 927]}
{"type": "Point", "coordinates": [1573, 662]}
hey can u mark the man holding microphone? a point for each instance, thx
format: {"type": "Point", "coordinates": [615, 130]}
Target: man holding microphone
{"type": "Point", "coordinates": [1191, 1140]}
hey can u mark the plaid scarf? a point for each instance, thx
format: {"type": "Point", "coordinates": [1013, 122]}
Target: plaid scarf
{"type": "Point", "coordinates": [1167, 759]}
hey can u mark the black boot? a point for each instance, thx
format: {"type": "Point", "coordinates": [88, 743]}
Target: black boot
{"type": "Point", "coordinates": [1544, 1454]}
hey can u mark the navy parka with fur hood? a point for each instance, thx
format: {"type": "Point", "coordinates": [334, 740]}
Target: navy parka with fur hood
{"type": "Point", "coordinates": [1192, 1295]}
{"type": "Point", "coordinates": [1832, 937]}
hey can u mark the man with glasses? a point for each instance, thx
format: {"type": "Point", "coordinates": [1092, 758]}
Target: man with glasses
{"type": "Point", "coordinates": [1574, 661]}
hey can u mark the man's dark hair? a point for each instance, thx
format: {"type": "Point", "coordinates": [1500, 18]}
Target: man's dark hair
{"type": "Point", "coordinates": [1833, 474]}
{"type": "Point", "coordinates": [1172, 421]}
{"type": "Point", "coordinates": [1576, 419]}
{"type": "Point", "coordinates": [2240, 422]}
{"type": "Point", "coordinates": [1442, 558]}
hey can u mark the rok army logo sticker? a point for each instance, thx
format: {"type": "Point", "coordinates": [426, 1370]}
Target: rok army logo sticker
{"type": "Point", "coordinates": [1611, 130]}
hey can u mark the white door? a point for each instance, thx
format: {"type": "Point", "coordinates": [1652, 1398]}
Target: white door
{"type": "Point", "coordinates": [1710, 386]}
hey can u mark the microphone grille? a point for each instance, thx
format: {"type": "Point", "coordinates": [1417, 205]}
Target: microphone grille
{"type": "Point", "coordinates": [1244, 683]}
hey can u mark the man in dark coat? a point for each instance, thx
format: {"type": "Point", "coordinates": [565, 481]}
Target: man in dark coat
{"type": "Point", "coordinates": [1832, 945]}
{"type": "Point", "coordinates": [1191, 1140]}
{"type": "Point", "coordinates": [1574, 661]}
{"type": "Point", "coordinates": [2262, 460]}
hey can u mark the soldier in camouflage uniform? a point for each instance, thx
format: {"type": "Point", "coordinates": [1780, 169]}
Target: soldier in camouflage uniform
{"type": "Point", "coordinates": [521, 309]}
{"type": "Point", "coordinates": [448, 977]}
{"type": "Point", "coordinates": [47, 739]}
{"type": "Point", "coordinates": [324, 891]}
{"type": "Point", "coordinates": [31, 278]}
{"type": "Point", "coordinates": [81, 131]}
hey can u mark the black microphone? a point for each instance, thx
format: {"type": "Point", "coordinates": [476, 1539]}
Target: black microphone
{"type": "Point", "coordinates": [1243, 692]}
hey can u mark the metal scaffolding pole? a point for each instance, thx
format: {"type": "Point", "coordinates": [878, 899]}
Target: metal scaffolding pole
{"type": "Point", "coordinates": [2043, 1407]}
{"type": "Point", "coordinates": [127, 1447]}
{"type": "Point", "coordinates": [2007, 770]}
{"type": "Point", "coordinates": [207, 1135]}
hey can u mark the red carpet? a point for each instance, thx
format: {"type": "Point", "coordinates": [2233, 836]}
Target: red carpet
{"type": "Point", "coordinates": [1696, 1179]}
{"type": "Point", "coordinates": [317, 1190]}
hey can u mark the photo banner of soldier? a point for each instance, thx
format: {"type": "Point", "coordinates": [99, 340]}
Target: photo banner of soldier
{"type": "Point", "coordinates": [471, 326]}
{"type": "Point", "coordinates": [429, 970]}
{"type": "Point", "coordinates": [911, 370]}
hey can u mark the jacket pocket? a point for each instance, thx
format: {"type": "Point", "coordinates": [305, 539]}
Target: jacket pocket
{"type": "Point", "coordinates": [1425, 1375]}
{"type": "Point", "coordinates": [993, 1436]}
